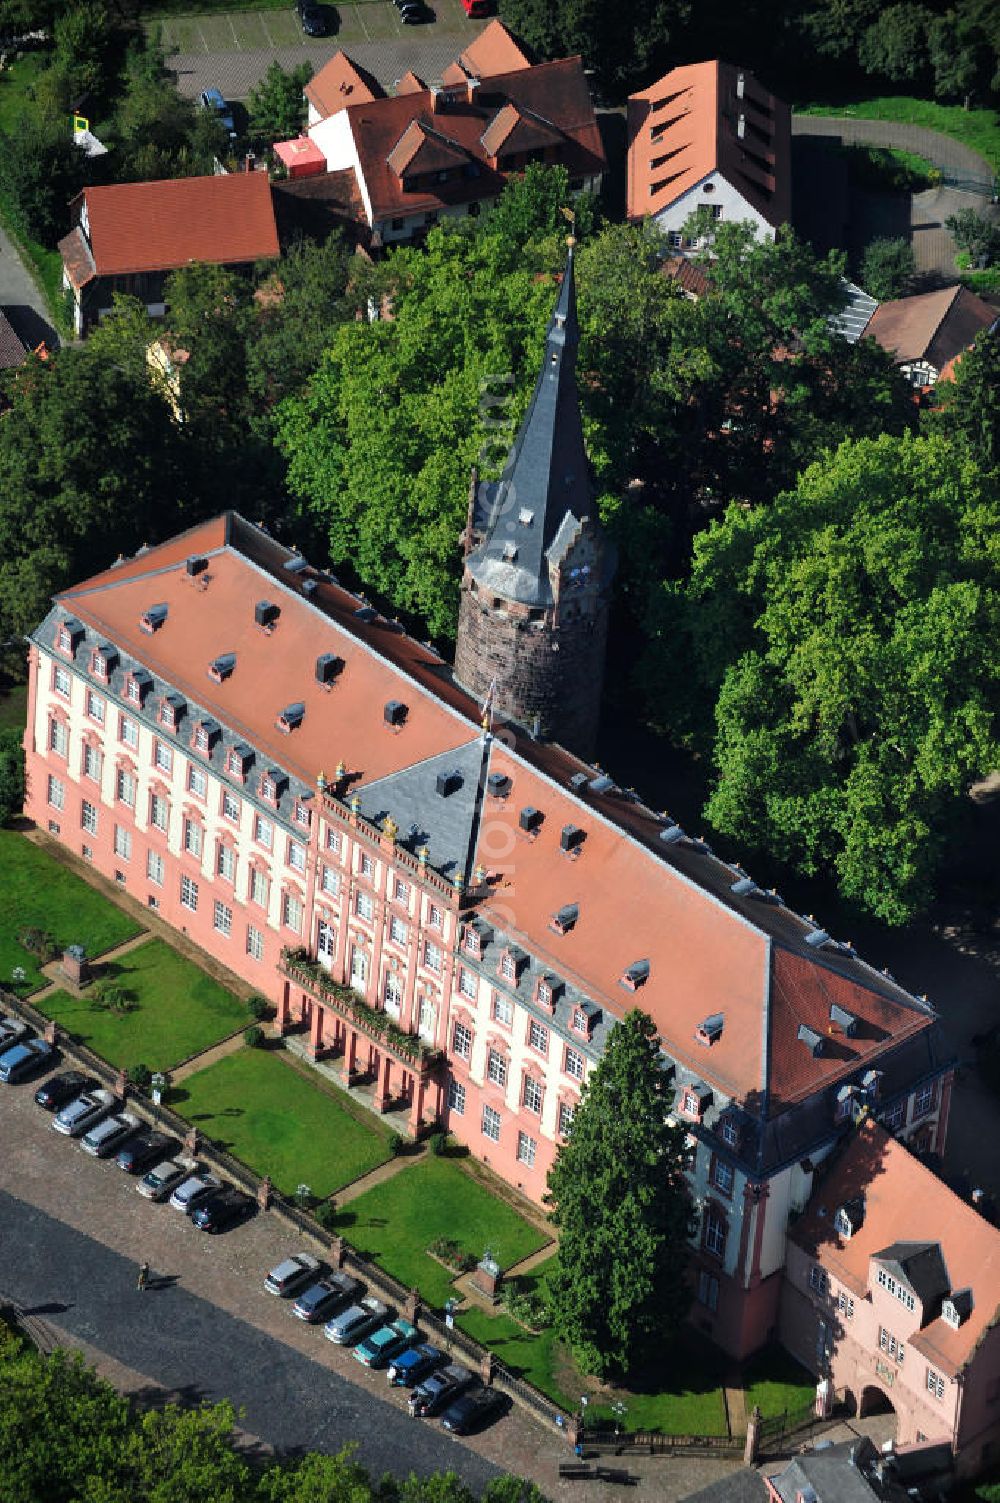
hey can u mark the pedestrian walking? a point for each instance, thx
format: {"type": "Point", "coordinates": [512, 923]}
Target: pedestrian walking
{"type": "Point", "coordinates": [143, 1280]}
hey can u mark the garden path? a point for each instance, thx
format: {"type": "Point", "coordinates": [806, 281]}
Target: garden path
{"type": "Point", "coordinates": [415, 1152]}
{"type": "Point", "coordinates": [207, 1057]}
{"type": "Point", "coordinates": [736, 1404]}
{"type": "Point", "coordinates": [532, 1260]}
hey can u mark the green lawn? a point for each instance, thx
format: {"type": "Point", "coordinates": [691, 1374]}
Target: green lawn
{"type": "Point", "coordinates": [256, 1105]}
{"type": "Point", "coordinates": [180, 1011]}
{"type": "Point", "coordinates": [39, 892]}
{"type": "Point", "coordinates": [979, 129]}
{"type": "Point", "coordinates": [397, 1220]}
{"type": "Point", "coordinates": [775, 1381]}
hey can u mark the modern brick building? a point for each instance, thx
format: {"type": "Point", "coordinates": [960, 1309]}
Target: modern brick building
{"type": "Point", "coordinates": [457, 914]}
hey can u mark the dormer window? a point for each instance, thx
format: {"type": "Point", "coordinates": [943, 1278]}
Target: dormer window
{"type": "Point", "coordinates": [544, 993]}
{"type": "Point", "coordinates": [579, 1022]}
{"type": "Point", "coordinates": [202, 737]}
{"type": "Point", "coordinates": [302, 814]}
{"type": "Point", "coordinates": [710, 1030]}
{"type": "Point", "coordinates": [64, 640]}
{"type": "Point", "coordinates": [238, 760]}
{"type": "Point", "coordinates": [690, 1105]}
{"type": "Point", "coordinates": [291, 717]}
{"type": "Point", "coordinates": [849, 1217]}
{"type": "Point", "coordinates": [222, 667]}
{"type": "Point", "coordinates": [103, 660]}
{"type": "Point", "coordinates": [168, 715]}
{"type": "Point", "coordinates": [636, 975]}
{"type": "Point", "coordinates": [730, 1132]}
{"type": "Point", "coordinates": [137, 686]}
{"type": "Point", "coordinates": [957, 1308]}
{"type": "Point", "coordinates": [269, 788]}
{"type": "Point", "coordinates": [68, 634]}
{"type": "Point", "coordinates": [472, 944]}
{"type": "Point", "coordinates": [508, 969]}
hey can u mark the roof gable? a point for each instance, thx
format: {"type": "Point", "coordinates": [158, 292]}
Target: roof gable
{"type": "Point", "coordinates": [340, 82]}
{"type": "Point", "coordinates": [421, 149]}
{"type": "Point", "coordinates": [493, 51]}
{"type": "Point", "coordinates": [513, 130]}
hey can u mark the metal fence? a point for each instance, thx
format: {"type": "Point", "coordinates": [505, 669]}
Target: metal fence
{"type": "Point", "coordinates": [652, 1443]}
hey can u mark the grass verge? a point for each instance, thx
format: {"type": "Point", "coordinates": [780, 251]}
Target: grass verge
{"type": "Point", "coordinates": [41, 893]}
{"type": "Point", "coordinates": [180, 1010]}
{"type": "Point", "coordinates": [777, 1383]}
{"type": "Point", "coordinates": [255, 1105]}
{"type": "Point", "coordinates": [979, 129]}
{"type": "Point", "coordinates": [16, 85]}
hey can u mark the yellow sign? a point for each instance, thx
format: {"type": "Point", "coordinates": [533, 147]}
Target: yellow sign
{"type": "Point", "coordinates": [80, 123]}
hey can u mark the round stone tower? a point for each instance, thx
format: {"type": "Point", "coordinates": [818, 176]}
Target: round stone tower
{"type": "Point", "coordinates": [533, 618]}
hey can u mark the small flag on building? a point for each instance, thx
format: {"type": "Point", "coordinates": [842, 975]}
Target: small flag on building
{"type": "Point", "coordinates": [80, 122]}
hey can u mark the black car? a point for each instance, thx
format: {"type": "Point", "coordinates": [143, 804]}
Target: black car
{"type": "Point", "coordinates": [60, 1089]}
{"type": "Point", "coordinates": [414, 14]}
{"type": "Point", "coordinates": [312, 18]}
{"type": "Point", "coordinates": [144, 1150]}
{"type": "Point", "coordinates": [472, 1410]}
{"type": "Point", "coordinates": [224, 1208]}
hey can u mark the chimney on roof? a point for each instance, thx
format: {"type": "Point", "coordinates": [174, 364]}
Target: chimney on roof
{"type": "Point", "coordinates": [328, 665]}
{"type": "Point", "coordinates": [740, 84]}
{"type": "Point", "coordinates": [472, 84]}
{"type": "Point", "coordinates": [195, 565]}
{"type": "Point", "coordinates": [741, 126]}
{"type": "Point", "coordinates": [439, 99]}
{"type": "Point", "coordinates": [265, 614]}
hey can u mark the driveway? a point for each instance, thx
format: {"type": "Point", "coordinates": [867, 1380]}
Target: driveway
{"type": "Point", "coordinates": [21, 300]}
{"type": "Point", "coordinates": [232, 51]}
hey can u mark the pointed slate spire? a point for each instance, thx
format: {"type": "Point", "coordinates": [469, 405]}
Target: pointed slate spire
{"type": "Point", "coordinates": [546, 477]}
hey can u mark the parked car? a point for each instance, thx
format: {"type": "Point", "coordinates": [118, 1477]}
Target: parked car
{"type": "Point", "coordinates": [442, 1388]}
{"type": "Point", "coordinates": [159, 1182]}
{"type": "Point", "coordinates": [356, 1321]}
{"type": "Point", "coordinates": [12, 1031]}
{"type": "Point", "coordinates": [326, 1295]}
{"type": "Point", "coordinates": [312, 18]}
{"type": "Point", "coordinates": [413, 1365]}
{"type": "Point", "coordinates": [101, 1141]}
{"type": "Point", "coordinates": [144, 1150]}
{"type": "Point", "coordinates": [382, 1345]}
{"type": "Point", "coordinates": [413, 14]}
{"type": "Point", "coordinates": [226, 1207]}
{"type": "Point", "coordinates": [66, 1086]}
{"type": "Point", "coordinates": [26, 1059]}
{"type": "Point", "coordinates": [211, 99]}
{"type": "Point", "coordinates": [85, 1112]}
{"type": "Point", "coordinates": [197, 1187]}
{"type": "Point", "coordinates": [293, 1274]}
{"type": "Point", "coordinates": [473, 1409]}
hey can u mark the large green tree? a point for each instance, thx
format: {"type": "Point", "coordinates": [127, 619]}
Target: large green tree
{"type": "Point", "coordinates": [846, 637]}
{"type": "Point", "coordinates": [623, 44]}
{"type": "Point", "coordinates": [969, 410]}
{"type": "Point", "coordinates": [620, 1200]}
{"type": "Point", "coordinates": [276, 105]}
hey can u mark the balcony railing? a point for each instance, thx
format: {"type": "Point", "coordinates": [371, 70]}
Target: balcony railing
{"type": "Point", "coordinates": [298, 966]}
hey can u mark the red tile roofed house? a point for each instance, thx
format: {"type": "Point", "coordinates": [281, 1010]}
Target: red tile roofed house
{"type": "Point", "coordinates": [482, 128]}
{"type": "Point", "coordinates": [128, 237]}
{"type": "Point", "coordinates": [709, 134]}
{"type": "Point", "coordinates": [928, 331]}
{"type": "Point", "coordinates": [493, 51]}
{"type": "Point", "coordinates": [340, 82]}
{"type": "Point", "coordinates": [893, 1292]}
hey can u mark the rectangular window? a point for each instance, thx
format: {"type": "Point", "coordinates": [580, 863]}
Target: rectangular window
{"type": "Point", "coordinates": [197, 780]}
{"type": "Point", "coordinates": [574, 1064]}
{"type": "Point", "coordinates": [291, 912]}
{"type": "Point", "coordinates": [302, 815]}
{"type": "Point", "coordinates": [432, 956]}
{"type": "Point", "coordinates": [888, 1343]}
{"type": "Point", "coordinates": [189, 894]}
{"type": "Point", "coordinates": [366, 866]}
{"type": "Point", "coordinates": [723, 1177]}
{"type": "Point", "coordinates": [925, 1100]}
{"type": "Point", "coordinates": [456, 1098]}
{"type": "Point", "coordinates": [163, 756]}
{"type": "Point", "coordinates": [708, 1290]}
{"type": "Point", "coordinates": [715, 1233]}
{"type": "Point", "coordinates": [401, 891]}
{"type": "Point", "coordinates": [333, 840]}
{"type": "Point", "coordinates": [508, 969]}
{"type": "Point", "coordinates": [526, 1150]}
{"type": "Point", "coordinates": [263, 831]}
{"type": "Point", "coordinates": [579, 1020]}
{"type": "Point", "coordinates": [192, 837]}
{"type": "Point", "coordinates": [158, 811]}
{"type": "Point", "coordinates": [461, 1040]}
{"type": "Point", "coordinates": [92, 763]}
{"type": "Point", "coordinates": [128, 731]}
{"type": "Point", "coordinates": [364, 906]}
{"type": "Point", "coordinates": [60, 680]}
{"type": "Point", "coordinates": [123, 843]}
{"type": "Point", "coordinates": [496, 1068]}
{"type": "Point", "coordinates": [538, 1037]}
{"type": "Point", "coordinates": [225, 862]}
{"type": "Point", "coordinates": [201, 738]}
{"type": "Point", "coordinates": [503, 1009]}
{"type": "Point", "coordinates": [255, 943]}
{"type": "Point", "coordinates": [57, 792]}
{"type": "Point", "coordinates": [65, 639]}
{"type": "Point", "coordinates": [935, 1383]}
{"type": "Point", "coordinates": [89, 818]}
{"type": "Point", "coordinates": [125, 788]}
{"type": "Point", "coordinates": [690, 1105]}
{"type": "Point", "coordinates": [730, 1132]}
{"type": "Point", "coordinates": [894, 1118]}
{"type": "Point", "coordinates": [845, 1304]}
{"type": "Point", "coordinates": [566, 1114]}
{"type": "Point", "coordinates": [296, 856]}
{"type": "Point", "coordinates": [222, 919]}
{"type": "Point", "coordinates": [468, 983]}
{"type": "Point", "coordinates": [435, 917]}
{"type": "Point", "coordinates": [258, 886]}
{"type": "Point", "coordinates": [154, 867]}
{"type": "Point", "coordinates": [230, 806]}
{"type": "Point", "coordinates": [818, 1281]}
{"type": "Point", "coordinates": [532, 1095]}
{"type": "Point", "coordinates": [397, 930]}
{"type": "Point", "coordinates": [95, 707]}
{"type": "Point", "coordinates": [491, 1124]}
{"type": "Point", "coordinates": [330, 881]}
{"type": "Point", "coordinates": [58, 738]}
{"type": "Point", "coordinates": [392, 994]}
{"type": "Point", "coordinates": [133, 692]}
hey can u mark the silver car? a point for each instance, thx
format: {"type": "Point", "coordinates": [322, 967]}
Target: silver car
{"type": "Point", "coordinates": [193, 1189]}
{"type": "Point", "coordinates": [12, 1031]}
{"type": "Point", "coordinates": [356, 1321]}
{"type": "Point", "coordinates": [292, 1274]}
{"type": "Point", "coordinates": [84, 1113]}
{"type": "Point", "coordinates": [108, 1136]}
{"type": "Point", "coordinates": [163, 1179]}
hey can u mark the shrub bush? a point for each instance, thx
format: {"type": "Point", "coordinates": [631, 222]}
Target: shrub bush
{"type": "Point", "coordinates": [528, 1307]}
{"type": "Point", "coordinates": [253, 1036]}
{"type": "Point", "coordinates": [395, 1143]}
{"type": "Point", "coordinates": [452, 1254]}
{"type": "Point", "coordinates": [438, 1143]}
{"type": "Point", "coordinates": [141, 1076]}
{"type": "Point", "coordinates": [326, 1214]}
{"type": "Point", "coordinates": [258, 1007]}
{"type": "Point", "coordinates": [112, 997]}
{"type": "Point", "coordinates": [40, 943]}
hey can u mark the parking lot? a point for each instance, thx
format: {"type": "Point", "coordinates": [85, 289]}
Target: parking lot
{"type": "Point", "coordinates": [233, 50]}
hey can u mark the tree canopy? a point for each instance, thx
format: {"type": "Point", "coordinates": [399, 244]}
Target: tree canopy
{"type": "Point", "coordinates": [620, 1200]}
{"type": "Point", "coordinates": [276, 106]}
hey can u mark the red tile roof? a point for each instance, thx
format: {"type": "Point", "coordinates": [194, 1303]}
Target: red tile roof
{"type": "Point", "coordinates": [410, 83]}
{"type": "Point", "coordinates": [341, 81]}
{"type": "Point", "coordinates": [493, 51]}
{"type": "Point", "coordinates": [687, 126]}
{"type": "Point", "coordinates": [159, 226]}
{"type": "Point", "coordinates": [932, 326]}
{"type": "Point", "coordinates": [905, 1202]}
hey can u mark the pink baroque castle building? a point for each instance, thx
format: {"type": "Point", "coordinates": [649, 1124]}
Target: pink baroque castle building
{"type": "Point", "coordinates": [457, 914]}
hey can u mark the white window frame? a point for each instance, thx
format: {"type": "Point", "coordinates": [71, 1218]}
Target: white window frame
{"type": "Point", "coordinates": [330, 881]}
{"type": "Point", "coordinates": [532, 1095]}
{"type": "Point", "coordinates": [56, 796]}
{"type": "Point", "coordinates": [292, 912]}
{"type": "Point", "coordinates": [491, 1124]}
{"type": "Point", "coordinates": [197, 780]}
{"type": "Point", "coordinates": [255, 943]}
{"type": "Point", "coordinates": [154, 868]}
{"type": "Point", "coordinates": [503, 1009]}
{"type": "Point", "coordinates": [538, 1036]}
{"type": "Point", "coordinates": [128, 731]}
{"type": "Point", "coordinates": [230, 806]}
{"type": "Point", "coordinates": [62, 682]}
{"type": "Point", "coordinates": [222, 919]}
{"type": "Point", "coordinates": [163, 756]}
{"type": "Point", "coordinates": [461, 1040]}
{"type": "Point", "coordinates": [189, 893]}
{"type": "Point", "coordinates": [88, 817]}
{"type": "Point", "coordinates": [527, 1148]}
{"type": "Point", "coordinates": [123, 842]}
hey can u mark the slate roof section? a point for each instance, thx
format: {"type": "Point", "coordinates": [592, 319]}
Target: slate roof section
{"type": "Point", "coordinates": [921, 1265]}
{"type": "Point", "coordinates": [902, 1199]}
{"type": "Point", "coordinates": [158, 226]}
{"type": "Point", "coordinates": [687, 126]}
{"type": "Point", "coordinates": [854, 317]}
{"type": "Point", "coordinates": [932, 326]}
{"type": "Point", "coordinates": [547, 475]}
{"type": "Point", "coordinates": [339, 82]}
{"type": "Point", "coordinates": [12, 352]}
{"type": "Point", "coordinates": [444, 822]}
{"type": "Point", "coordinates": [838, 1474]}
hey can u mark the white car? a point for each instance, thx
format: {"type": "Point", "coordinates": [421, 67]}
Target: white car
{"type": "Point", "coordinates": [292, 1274]}
{"type": "Point", "coordinates": [163, 1178]}
{"type": "Point", "coordinates": [84, 1113]}
{"type": "Point", "coordinates": [194, 1189]}
{"type": "Point", "coordinates": [356, 1321]}
{"type": "Point", "coordinates": [108, 1136]}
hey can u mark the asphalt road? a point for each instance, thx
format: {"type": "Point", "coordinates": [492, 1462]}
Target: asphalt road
{"type": "Point", "coordinates": [21, 300]}
{"type": "Point", "coordinates": [187, 1345]}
